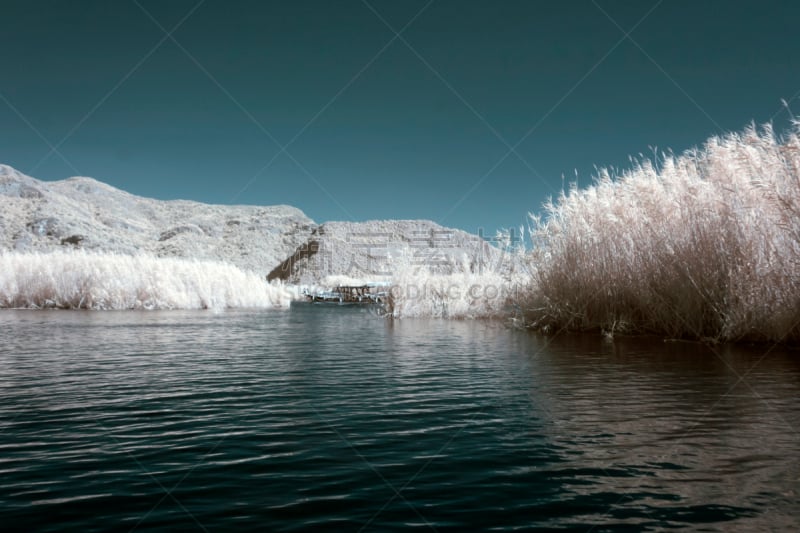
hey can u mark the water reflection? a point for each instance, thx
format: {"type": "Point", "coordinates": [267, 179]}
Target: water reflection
{"type": "Point", "coordinates": [675, 429]}
{"type": "Point", "coordinates": [334, 417]}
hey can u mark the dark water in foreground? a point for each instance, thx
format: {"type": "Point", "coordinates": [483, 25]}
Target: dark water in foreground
{"type": "Point", "coordinates": [331, 418]}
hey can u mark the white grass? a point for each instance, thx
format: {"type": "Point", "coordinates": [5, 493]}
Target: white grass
{"type": "Point", "coordinates": [333, 281]}
{"type": "Point", "coordinates": [704, 245]}
{"type": "Point", "coordinates": [462, 295]}
{"type": "Point", "coordinates": [701, 245]}
{"type": "Point", "coordinates": [79, 280]}
{"type": "Point", "coordinates": [488, 291]}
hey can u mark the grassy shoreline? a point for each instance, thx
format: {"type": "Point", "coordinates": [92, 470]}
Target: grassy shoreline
{"type": "Point", "coordinates": [105, 281]}
{"type": "Point", "coordinates": [704, 245]}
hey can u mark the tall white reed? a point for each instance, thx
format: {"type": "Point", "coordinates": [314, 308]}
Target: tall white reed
{"type": "Point", "coordinates": [107, 281]}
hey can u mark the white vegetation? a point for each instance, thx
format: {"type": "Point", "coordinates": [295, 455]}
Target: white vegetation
{"type": "Point", "coordinates": [82, 213]}
{"type": "Point", "coordinates": [461, 295]}
{"type": "Point", "coordinates": [704, 245]}
{"type": "Point", "coordinates": [421, 290]}
{"type": "Point", "coordinates": [333, 281]}
{"type": "Point", "coordinates": [368, 251]}
{"type": "Point", "coordinates": [701, 245]}
{"type": "Point", "coordinates": [81, 280]}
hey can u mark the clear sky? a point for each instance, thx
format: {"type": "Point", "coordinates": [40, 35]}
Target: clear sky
{"type": "Point", "coordinates": [469, 117]}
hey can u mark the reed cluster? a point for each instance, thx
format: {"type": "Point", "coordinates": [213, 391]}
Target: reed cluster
{"type": "Point", "coordinates": [703, 245]}
{"type": "Point", "coordinates": [83, 280]}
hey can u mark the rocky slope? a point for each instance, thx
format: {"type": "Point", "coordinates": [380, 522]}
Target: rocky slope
{"type": "Point", "coordinates": [281, 241]}
{"type": "Point", "coordinates": [377, 249]}
{"type": "Point", "coordinates": [85, 213]}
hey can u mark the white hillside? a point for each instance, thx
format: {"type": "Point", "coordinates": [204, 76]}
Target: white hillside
{"type": "Point", "coordinates": [379, 249]}
{"type": "Point", "coordinates": [82, 213]}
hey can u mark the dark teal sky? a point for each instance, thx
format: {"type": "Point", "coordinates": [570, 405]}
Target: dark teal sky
{"type": "Point", "coordinates": [415, 127]}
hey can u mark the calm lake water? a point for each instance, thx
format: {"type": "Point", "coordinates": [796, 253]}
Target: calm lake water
{"type": "Point", "coordinates": [326, 418]}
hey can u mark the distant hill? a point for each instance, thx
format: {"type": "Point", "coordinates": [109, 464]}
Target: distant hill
{"type": "Point", "coordinates": [85, 213]}
{"type": "Point", "coordinates": [376, 249]}
{"type": "Point", "coordinates": [279, 241]}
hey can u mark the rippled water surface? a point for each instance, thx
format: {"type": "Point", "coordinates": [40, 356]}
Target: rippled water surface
{"type": "Point", "coordinates": [332, 418]}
